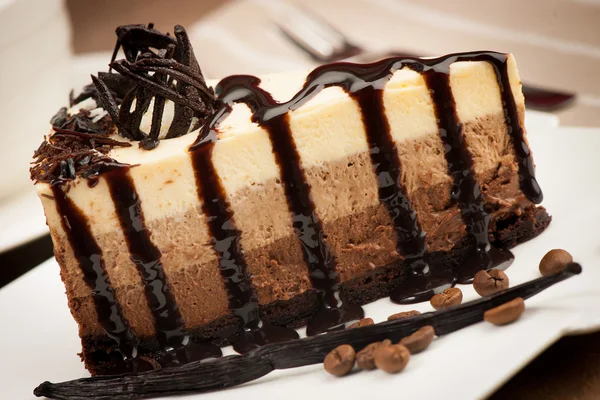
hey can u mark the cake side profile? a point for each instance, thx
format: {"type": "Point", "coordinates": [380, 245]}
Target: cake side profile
{"type": "Point", "coordinates": [287, 199]}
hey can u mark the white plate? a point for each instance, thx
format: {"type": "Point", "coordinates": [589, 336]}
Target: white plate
{"type": "Point", "coordinates": [21, 220]}
{"type": "Point", "coordinates": [38, 339]}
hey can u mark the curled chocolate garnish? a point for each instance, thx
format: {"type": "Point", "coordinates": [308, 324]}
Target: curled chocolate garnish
{"type": "Point", "coordinates": [138, 38]}
{"type": "Point", "coordinates": [60, 118]}
{"type": "Point", "coordinates": [118, 85]}
{"type": "Point", "coordinates": [156, 67]}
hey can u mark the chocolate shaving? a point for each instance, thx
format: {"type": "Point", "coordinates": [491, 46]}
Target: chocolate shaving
{"type": "Point", "coordinates": [146, 82]}
{"type": "Point", "coordinates": [77, 147]}
{"type": "Point", "coordinates": [118, 86]}
{"type": "Point", "coordinates": [138, 38]}
{"type": "Point", "coordinates": [97, 139]}
{"type": "Point", "coordinates": [106, 99]}
{"type": "Point", "coordinates": [60, 118]}
{"type": "Point", "coordinates": [156, 66]}
{"type": "Point", "coordinates": [178, 71]}
{"type": "Point", "coordinates": [160, 67]}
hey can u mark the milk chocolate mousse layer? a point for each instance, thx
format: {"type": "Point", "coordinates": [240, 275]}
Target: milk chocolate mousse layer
{"type": "Point", "coordinates": [292, 199]}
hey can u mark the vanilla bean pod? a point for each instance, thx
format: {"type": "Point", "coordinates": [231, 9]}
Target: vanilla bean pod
{"type": "Point", "coordinates": [203, 376]}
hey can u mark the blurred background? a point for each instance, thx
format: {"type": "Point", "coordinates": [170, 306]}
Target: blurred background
{"type": "Point", "coordinates": [556, 43]}
{"type": "Point", "coordinates": [48, 47]}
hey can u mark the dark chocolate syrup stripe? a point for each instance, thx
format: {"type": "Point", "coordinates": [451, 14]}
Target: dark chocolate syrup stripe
{"type": "Point", "coordinates": [172, 338]}
{"type": "Point", "coordinates": [466, 191]}
{"type": "Point", "coordinates": [89, 256]}
{"type": "Point", "coordinates": [366, 87]}
{"type": "Point", "coordinates": [529, 185]}
{"type": "Point", "coordinates": [226, 244]}
{"type": "Point", "coordinates": [235, 370]}
{"type": "Point", "coordinates": [387, 167]}
{"type": "Point", "coordinates": [146, 257]}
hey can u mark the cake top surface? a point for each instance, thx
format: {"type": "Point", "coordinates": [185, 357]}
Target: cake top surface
{"type": "Point", "coordinates": [104, 128]}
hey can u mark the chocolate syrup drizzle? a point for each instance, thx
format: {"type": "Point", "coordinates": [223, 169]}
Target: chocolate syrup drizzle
{"type": "Point", "coordinates": [174, 342]}
{"type": "Point", "coordinates": [466, 190]}
{"type": "Point", "coordinates": [89, 256]}
{"type": "Point", "coordinates": [146, 257]}
{"type": "Point", "coordinates": [175, 345]}
{"type": "Point", "coordinates": [529, 185]}
{"type": "Point", "coordinates": [226, 237]}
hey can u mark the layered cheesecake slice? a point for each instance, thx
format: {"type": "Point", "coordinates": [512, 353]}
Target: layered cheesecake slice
{"type": "Point", "coordinates": [181, 219]}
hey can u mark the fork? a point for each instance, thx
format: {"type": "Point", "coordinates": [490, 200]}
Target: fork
{"type": "Point", "coordinates": [324, 44]}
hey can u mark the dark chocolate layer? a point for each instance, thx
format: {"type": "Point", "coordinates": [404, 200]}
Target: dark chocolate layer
{"type": "Point", "coordinates": [514, 228]}
{"type": "Point", "coordinates": [235, 370]}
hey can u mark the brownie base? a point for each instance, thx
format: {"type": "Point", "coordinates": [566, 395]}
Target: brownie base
{"type": "Point", "coordinates": [101, 356]}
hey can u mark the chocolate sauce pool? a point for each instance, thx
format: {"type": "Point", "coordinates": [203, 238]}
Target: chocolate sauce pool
{"type": "Point", "coordinates": [365, 84]}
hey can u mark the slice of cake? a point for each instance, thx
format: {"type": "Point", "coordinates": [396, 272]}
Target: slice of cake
{"type": "Point", "coordinates": [184, 216]}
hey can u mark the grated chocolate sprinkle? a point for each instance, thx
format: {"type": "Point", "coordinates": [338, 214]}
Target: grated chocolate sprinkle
{"type": "Point", "coordinates": [77, 147]}
{"type": "Point", "coordinates": [157, 67]}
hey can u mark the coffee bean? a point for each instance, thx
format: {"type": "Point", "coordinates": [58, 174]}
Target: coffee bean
{"type": "Point", "coordinates": [449, 297]}
{"type": "Point", "coordinates": [361, 323]}
{"type": "Point", "coordinates": [490, 282]}
{"type": "Point", "coordinates": [391, 359]}
{"type": "Point", "coordinates": [419, 340]}
{"type": "Point", "coordinates": [404, 314]}
{"type": "Point", "coordinates": [340, 360]}
{"type": "Point", "coordinates": [364, 358]}
{"type": "Point", "coordinates": [506, 313]}
{"type": "Point", "coordinates": [555, 261]}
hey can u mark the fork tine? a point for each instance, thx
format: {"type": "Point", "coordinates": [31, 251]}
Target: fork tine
{"type": "Point", "coordinates": [321, 24]}
{"type": "Point", "coordinates": [313, 34]}
{"type": "Point", "coordinates": [319, 49]}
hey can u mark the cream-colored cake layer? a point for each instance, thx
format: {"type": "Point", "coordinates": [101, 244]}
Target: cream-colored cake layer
{"type": "Point", "coordinates": [326, 129]}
